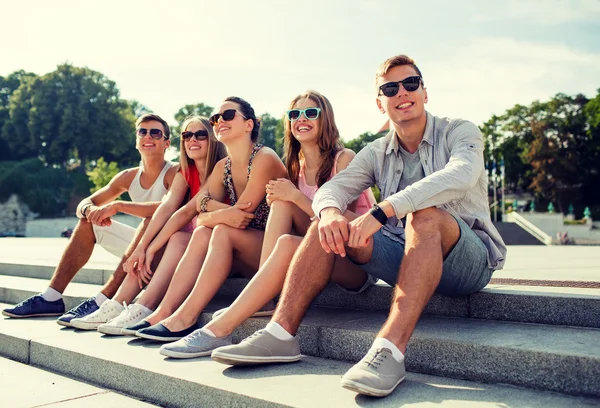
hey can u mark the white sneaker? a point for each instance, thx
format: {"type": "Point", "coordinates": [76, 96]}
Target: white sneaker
{"type": "Point", "coordinates": [133, 314]}
{"type": "Point", "coordinates": [108, 311]}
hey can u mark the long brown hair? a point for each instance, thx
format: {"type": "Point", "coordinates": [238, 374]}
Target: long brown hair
{"type": "Point", "coordinates": [329, 140]}
{"type": "Point", "coordinates": [216, 149]}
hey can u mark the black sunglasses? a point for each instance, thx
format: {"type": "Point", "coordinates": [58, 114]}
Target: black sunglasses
{"type": "Point", "coordinates": [227, 115]}
{"type": "Point", "coordinates": [155, 134]}
{"type": "Point", "coordinates": [411, 84]}
{"type": "Point", "coordinates": [199, 135]}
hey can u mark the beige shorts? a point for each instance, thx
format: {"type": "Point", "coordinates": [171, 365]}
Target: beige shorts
{"type": "Point", "coordinates": [115, 238]}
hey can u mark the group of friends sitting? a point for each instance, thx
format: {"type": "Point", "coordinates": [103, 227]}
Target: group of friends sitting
{"type": "Point", "coordinates": [231, 206]}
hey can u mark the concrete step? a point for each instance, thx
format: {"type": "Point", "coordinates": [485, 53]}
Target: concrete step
{"type": "Point", "coordinates": [134, 367]}
{"type": "Point", "coordinates": [546, 305]}
{"type": "Point", "coordinates": [27, 386]}
{"type": "Point", "coordinates": [556, 358]}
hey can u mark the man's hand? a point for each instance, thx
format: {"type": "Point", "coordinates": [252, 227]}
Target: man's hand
{"type": "Point", "coordinates": [237, 217]}
{"type": "Point", "coordinates": [281, 189]}
{"type": "Point", "coordinates": [333, 231]}
{"type": "Point", "coordinates": [101, 215]}
{"type": "Point", "coordinates": [362, 229]}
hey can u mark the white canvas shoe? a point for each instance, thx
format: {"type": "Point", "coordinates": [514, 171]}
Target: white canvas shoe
{"type": "Point", "coordinates": [133, 314]}
{"type": "Point", "coordinates": [108, 311]}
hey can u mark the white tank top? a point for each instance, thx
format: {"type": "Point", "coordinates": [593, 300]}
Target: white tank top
{"type": "Point", "coordinates": [156, 192]}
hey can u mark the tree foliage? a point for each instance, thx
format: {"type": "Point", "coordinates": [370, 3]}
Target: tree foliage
{"type": "Point", "coordinates": [102, 173]}
{"type": "Point", "coordinates": [271, 133]}
{"type": "Point", "coordinates": [357, 144]}
{"type": "Point", "coordinates": [188, 110]}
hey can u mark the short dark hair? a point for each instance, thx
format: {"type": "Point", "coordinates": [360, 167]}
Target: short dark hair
{"type": "Point", "coordinates": [248, 111]}
{"type": "Point", "coordinates": [152, 116]}
{"type": "Point", "coordinates": [397, 61]}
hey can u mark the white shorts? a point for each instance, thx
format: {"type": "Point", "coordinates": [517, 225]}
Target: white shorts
{"type": "Point", "coordinates": [115, 238]}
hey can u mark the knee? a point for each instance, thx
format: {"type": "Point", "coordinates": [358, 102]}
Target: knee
{"type": "Point", "coordinates": [424, 221]}
{"type": "Point", "coordinates": [221, 232]}
{"type": "Point", "coordinates": [288, 242]}
{"type": "Point", "coordinates": [201, 233]}
{"type": "Point", "coordinates": [179, 238]}
{"type": "Point", "coordinates": [279, 206]}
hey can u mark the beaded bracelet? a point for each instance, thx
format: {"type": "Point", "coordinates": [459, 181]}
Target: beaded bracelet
{"type": "Point", "coordinates": [204, 203]}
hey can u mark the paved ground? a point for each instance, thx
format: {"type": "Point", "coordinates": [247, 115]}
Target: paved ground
{"type": "Point", "coordinates": [572, 263]}
{"type": "Point", "coordinates": [25, 386]}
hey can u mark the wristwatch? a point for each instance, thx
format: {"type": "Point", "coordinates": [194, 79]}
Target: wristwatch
{"type": "Point", "coordinates": [379, 214]}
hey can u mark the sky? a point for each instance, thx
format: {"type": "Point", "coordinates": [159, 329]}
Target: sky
{"type": "Point", "coordinates": [478, 58]}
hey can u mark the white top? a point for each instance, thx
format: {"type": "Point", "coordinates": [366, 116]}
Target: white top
{"type": "Point", "coordinates": [156, 192]}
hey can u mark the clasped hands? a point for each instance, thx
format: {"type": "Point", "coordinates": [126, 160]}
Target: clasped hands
{"type": "Point", "coordinates": [336, 232]}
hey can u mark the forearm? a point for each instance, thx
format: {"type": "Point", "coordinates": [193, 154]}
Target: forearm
{"type": "Point", "coordinates": [174, 224]}
{"type": "Point", "coordinates": [212, 219]}
{"type": "Point", "coordinates": [142, 210]}
{"type": "Point", "coordinates": [305, 204]}
{"type": "Point", "coordinates": [159, 219]}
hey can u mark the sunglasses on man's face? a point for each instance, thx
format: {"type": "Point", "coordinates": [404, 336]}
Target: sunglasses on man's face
{"type": "Point", "coordinates": [155, 134]}
{"type": "Point", "coordinates": [227, 115]}
{"type": "Point", "coordinates": [309, 113]}
{"type": "Point", "coordinates": [199, 135]}
{"type": "Point", "coordinates": [390, 89]}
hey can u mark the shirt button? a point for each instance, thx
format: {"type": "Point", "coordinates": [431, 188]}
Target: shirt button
{"type": "Point", "coordinates": [398, 172]}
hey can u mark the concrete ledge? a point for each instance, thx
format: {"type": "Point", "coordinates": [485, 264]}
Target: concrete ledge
{"type": "Point", "coordinates": [134, 367]}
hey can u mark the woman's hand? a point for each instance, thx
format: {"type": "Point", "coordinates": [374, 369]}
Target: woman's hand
{"type": "Point", "coordinates": [237, 217]}
{"type": "Point", "coordinates": [281, 189]}
{"type": "Point", "coordinates": [136, 258]}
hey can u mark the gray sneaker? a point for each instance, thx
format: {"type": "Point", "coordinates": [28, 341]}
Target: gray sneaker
{"type": "Point", "coordinates": [260, 348]}
{"type": "Point", "coordinates": [377, 374]}
{"type": "Point", "coordinates": [195, 344]}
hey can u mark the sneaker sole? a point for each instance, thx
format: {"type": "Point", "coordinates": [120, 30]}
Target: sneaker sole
{"type": "Point", "coordinates": [86, 325]}
{"type": "Point", "coordinates": [112, 330]}
{"type": "Point", "coordinates": [366, 390]}
{"type": "Point", "coordinates": [236, 360]}
{"type": "Point", "coordinates": [157, 338]}
{"type": "Point", "coordinates": [8, 314]}
{"type": "Point", "coordinates": [262, 313]}
{"type": "Point", "coordinates": [178, 354]}
{"type": "Point", "coordinates": [64, 324]}
{"type": "Point", "coordinates": [128, 332]}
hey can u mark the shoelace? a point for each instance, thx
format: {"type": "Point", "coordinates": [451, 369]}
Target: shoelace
{"type": "Point", "coordinates": [255, 334]}
{"type": "Point", "coordinates": [27, 301]}
{"type": "Point", "coordinates": [374, 358]}
{"type": "Point", "coordinates": [83, 307]}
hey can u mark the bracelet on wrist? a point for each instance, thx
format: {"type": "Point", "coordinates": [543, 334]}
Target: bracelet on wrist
{"type": "Point", "coordinates": [204, 203]}
{"type": "Point", "coordinates": [84, 209]}
{"type": "Point", "coordinates": [379, 214]}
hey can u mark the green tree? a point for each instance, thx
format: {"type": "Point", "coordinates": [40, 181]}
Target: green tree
{"type": "Point", "coordinates": [188, 110]}
{"type": "Point", "coordinates": [70, 116]}
{"type": "Point", "coordinates": [271, 133]}
{"type": "Point", "coordinates": [358, 143]}
{"type": "Point", "coordinates": [101, 173]}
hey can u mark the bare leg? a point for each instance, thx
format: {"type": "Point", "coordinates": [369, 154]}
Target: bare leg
{"type": "Point", "coordinates": [264, 286]}
{"type": "Point", "coordinates": [78, 252]}
{"type": "Point", "coordinates": [156, 289]}
{"type": "Point", "coordinates": [348, 274]}
{"type": "Point", "coordinates": [225, 243]}
{"type": "Point", "coordinates": [185, 275]}
{"type": "Point", "coordinates": [430, 236]}
{"type": "Point", "coordinates": [283, 216]}
{"type": "Point", "coordinates": [116, 279]}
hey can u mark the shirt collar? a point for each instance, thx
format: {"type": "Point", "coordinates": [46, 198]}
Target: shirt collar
{"type": "Point", "coordinates": [392, 145]}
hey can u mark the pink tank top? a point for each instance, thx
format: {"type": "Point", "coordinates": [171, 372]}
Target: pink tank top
{"type": "Point", "coordinates": [364, 202]}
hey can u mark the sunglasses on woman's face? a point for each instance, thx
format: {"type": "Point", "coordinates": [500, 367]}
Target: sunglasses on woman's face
{"type": "Point", "coordinates": [390, 89]}
{"type": "Point", "coordinates": [227, 115]}
{"type": "Point", "coordinates": [309, 113]}
{"type": "Point", "coordinates": [155, 134]}
{"type": "Point", "coordinates": [199, 135]}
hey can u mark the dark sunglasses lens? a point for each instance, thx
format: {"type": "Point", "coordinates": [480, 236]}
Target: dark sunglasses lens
{"type": "Point", "coordinates": [142, 132]}
{"type": "Point", "coordinates": [156, 133]}
{"type": "Point", "coordinates": [411, 84]}
{"type": "Point", "coordinates": [294, 114]}
{"type": "Point", "coordinates": [390, 89]}
{"type": "Point", "coordinates": [229, 114]}
{"type": "Point", "coordinates": [311, 113]}
{"type": "Point", "coordinates": [186, 135]}
{"type": "Point", "coordinates": [201, 135]}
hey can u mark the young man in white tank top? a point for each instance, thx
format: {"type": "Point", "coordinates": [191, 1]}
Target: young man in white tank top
{"type": "Point", "coordinates": [146, 184]}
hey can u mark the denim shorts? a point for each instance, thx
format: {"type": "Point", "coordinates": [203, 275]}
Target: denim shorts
{"type": "Point", "coordinates": [465, 269]}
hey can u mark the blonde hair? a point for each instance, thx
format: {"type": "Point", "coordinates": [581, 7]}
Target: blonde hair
{"type": "Point", "coordinates": [329, 140]}
{"type": "Point", "coordinates": [216, 149]}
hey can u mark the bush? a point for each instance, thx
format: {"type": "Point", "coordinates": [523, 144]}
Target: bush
{"type": "Point", "coordinates": [46, 190]}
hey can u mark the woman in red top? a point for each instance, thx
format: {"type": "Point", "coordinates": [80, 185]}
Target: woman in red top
{"type": "Point", "coordinates": [172, 225]}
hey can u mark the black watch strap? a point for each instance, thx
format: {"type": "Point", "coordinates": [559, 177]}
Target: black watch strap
{"type": "Point", "coordinates": [379, 215]}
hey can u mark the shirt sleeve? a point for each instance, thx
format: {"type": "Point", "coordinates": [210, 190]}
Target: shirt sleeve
{"type": "Point", "coordinates": [452, 182]}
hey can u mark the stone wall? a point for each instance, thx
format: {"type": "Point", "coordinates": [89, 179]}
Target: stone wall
{"type": "Point", "coordinates": [14, 216]}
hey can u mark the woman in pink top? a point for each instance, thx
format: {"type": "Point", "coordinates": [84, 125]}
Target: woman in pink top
{"type": "Point", "coordinates": [314, 154]}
